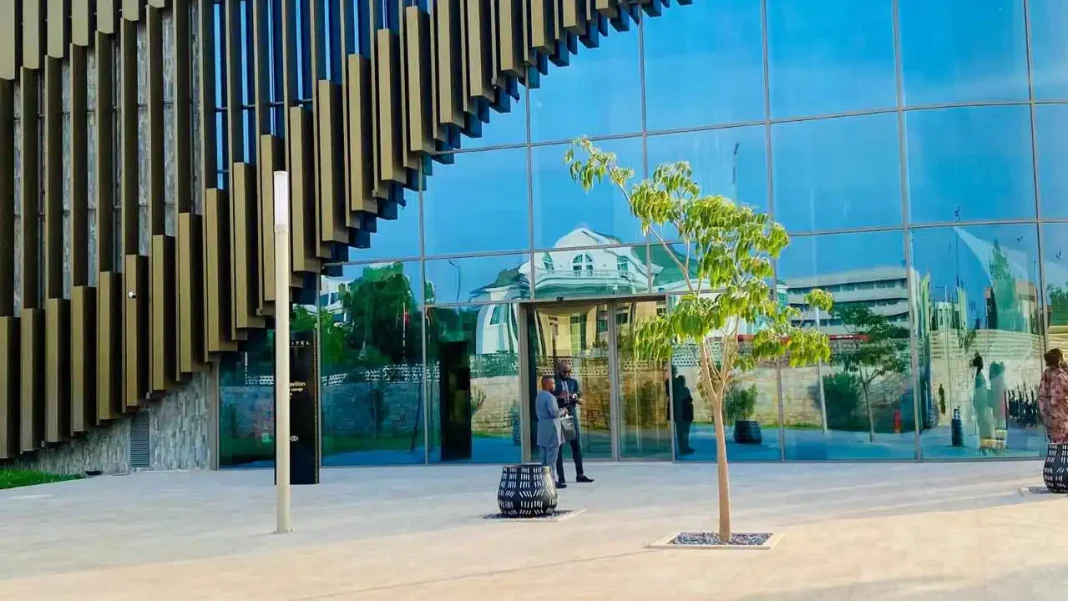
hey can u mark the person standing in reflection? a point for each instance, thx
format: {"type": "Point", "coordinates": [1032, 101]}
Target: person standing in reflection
{"type": "Point", "coordinates": [569, 397]}
{"type": "Point", "coordinates": [999, 401]}
{"type": "Point", "coordinates": [1053, 397]}
{"type": "Point", "coordinates": [681, 412]}
{"type": "Point", "coordinates": [550, 437]}
{"type": "Point", "coordinates": [981, 405]}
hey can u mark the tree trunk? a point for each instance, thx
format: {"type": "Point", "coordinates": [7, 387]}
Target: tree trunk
{"type": "Point", "coordinates": [871, 420]}
{"type": "Point", "coordinates": [722, 477]}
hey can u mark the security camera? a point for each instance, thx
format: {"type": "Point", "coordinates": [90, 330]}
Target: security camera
{"type": "Point", "coordinates": [131, 294]}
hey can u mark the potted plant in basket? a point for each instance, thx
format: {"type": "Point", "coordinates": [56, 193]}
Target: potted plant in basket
{"type": "Point", "coordinates": [738, 409]}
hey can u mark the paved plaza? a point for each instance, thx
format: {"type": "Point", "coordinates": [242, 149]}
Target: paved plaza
{"type": "Point", "coordinates": [915, 532]}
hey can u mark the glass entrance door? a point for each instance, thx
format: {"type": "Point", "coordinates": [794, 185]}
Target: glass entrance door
{"type": "Point", "coordinates": [645, 431]}
{"type": "Point", "coordinates": [577, 336]}
{"type": "Point", "coordinates": [623, 414]}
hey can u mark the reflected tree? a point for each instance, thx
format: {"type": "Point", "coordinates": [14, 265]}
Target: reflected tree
{"type": "Point", "coordinates": [1005, 313]}
{"type": "Point", "coordinates": [377, 323]}
{"type": "Point", "coordinates": [879, 351]}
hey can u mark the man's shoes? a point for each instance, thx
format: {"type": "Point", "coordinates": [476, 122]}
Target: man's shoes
{"type": "Point", "coordinates": [561, 485]}
{"type": "Point", "coordinates": [584, 480]}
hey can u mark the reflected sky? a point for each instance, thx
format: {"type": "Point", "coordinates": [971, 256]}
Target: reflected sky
{"type": "Point", "coordinates": [704, 67]}
{"type": "Point", "coordinates": [836, 58]}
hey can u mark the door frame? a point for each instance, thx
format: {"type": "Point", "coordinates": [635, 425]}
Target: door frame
{"type": "Point", "coordinates": [524, 309]}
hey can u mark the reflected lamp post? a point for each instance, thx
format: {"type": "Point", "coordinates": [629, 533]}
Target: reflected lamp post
{"type": "Point", "coordinates": [819, 378]}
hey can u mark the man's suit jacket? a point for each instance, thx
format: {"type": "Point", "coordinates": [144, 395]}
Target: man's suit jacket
{"type": "Point", "coordinates": [572, 386]}
{"type": "Point", "coordinates": [548, 414]}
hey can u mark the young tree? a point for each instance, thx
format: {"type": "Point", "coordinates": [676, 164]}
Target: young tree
{"type": "Point", "coordinates": [727, 250]}
{"type": "Point", "coordinates": [880, 349]}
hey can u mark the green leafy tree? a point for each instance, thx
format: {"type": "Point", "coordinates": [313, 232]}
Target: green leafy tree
{"type": "Point", "coordinates": [1007, 315]}
{"type": "Point", "coordinates": [379, 311]}
{"type": "Point", "coordinates": [725, 261]}
{"type": "Point", "coordinates": [880, 349]}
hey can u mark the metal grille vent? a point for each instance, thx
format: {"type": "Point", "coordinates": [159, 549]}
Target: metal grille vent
{"type": "Point", "coordinates": [139, 443]}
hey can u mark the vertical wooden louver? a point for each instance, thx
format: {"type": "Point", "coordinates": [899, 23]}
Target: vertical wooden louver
{"type": "Point", "coordinates": [351, 97]}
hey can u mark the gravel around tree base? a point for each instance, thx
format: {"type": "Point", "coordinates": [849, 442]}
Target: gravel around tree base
{"type": "Point", "coordinates": [711, 539]}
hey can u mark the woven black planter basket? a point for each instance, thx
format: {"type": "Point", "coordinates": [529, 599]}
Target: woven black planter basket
{"type": "Point", "coordinates": [1055, 472]}
{"type": "Point", "coordinates": [747, 432]}
{"type": "Point", "coordinates": [526, 491]}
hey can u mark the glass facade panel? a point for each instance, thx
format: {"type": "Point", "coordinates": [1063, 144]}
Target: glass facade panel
{"type": "Point", "coordinates": [730, 162]}
{"type": "Point", "coordinates": [598, 94]}
{"type": "Point", "coordinates": [246, 406]}
{"type": "Point", "coordinates": [832, 58]}
{"type": "Point", "coordinates": [472, 364]}
{"type": "Point", "coordinates": [419, 335]}
{"type": "Point", "coordinates": [859, 405]}
{"type": "Point", "coordinates": [503, 129]}
{"type": "Point", "coordinates": [477, 204]}
{"type": "Point", "coordinates": [963, 51]}
{"type": "Point", "coordinates": [566, 217]}
{"type": "Point", "coordinates": [1051, 121]}
{"type": "Point", "coordinates": [982, 351]}
{"type": "Point", "coordinates": [1055, 270]}
{"type": "Point", "coordinates": [969, 164]}
{"type": "Point", "coordinates": [591, 272]}
{"type": "Point", "coordinates": [371, 352]}
{"type": "Point", "coordinates": [1049, 53]}
{"type": "Point", "coordinates": [751, 408]}
{"type": "Point", "coordinates": [478, 279]}
{"type": "Point", "coordinates": [690, 51]}
{"type": "Point", "coordinates": [837, 173]}
{"type": "Point", "coordinates": [396, 233]}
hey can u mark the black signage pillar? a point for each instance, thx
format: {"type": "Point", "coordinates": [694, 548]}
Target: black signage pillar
{"type": "Point", "coordinates": [303, 409]}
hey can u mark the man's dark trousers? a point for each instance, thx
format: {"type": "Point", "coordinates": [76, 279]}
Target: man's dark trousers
{"type": "Point", "coordinates": [576, 453]}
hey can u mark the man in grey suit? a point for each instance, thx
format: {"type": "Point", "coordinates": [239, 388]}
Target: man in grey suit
{"type": "Point", "coordinates": [550, 437]}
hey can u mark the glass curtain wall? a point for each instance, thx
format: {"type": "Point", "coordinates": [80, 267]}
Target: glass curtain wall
{"type": "Point", "coordinates": [918, 168]}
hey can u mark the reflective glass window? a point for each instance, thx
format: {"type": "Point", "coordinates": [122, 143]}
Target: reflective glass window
{"type": "Point", "coordinates": [963, 51]}
{"type": "Point", "coordinates": [589, 272]}
{"type": "Point", "coordinates": [567, 217]}
{"type": "Point", "coordinates": [980, 348]}
{"type": "Point", "coordinates": [504, 129]}
{"type": "Point", "coordinates": [597, 94]}
{"type": "Point", "coordinates": [1049, 50]}
{"type": "Point", "coordinates": [478, 203]}
{"type": "Point", "coordinates": [691, 51]}
{"type": "Point", "coordinates": [730, 162]}
{"type": "Point", "coordinates": [1055, 271]}
{"type": "Point", "coordinates": [371, 350]}
{"type": "Point", "coordinates": [396, 237]}
{"type": "Point", "coordinates": [472, 357]}
{"type": "Point", "coordinates": [246, 405]}
{"type": "Point", "coordinates": [751, 408]}
{"type": "Point", "coordinates": [478, 279]}
{"type": "Point", "coordinates": [837, 173]}
{"type": "Point", "coordinates": [859, 404]}
{"type": "Point", "coordinates": [833, 57]}
{"type": "Point", "coordinates": [1051, 121]}
{"type": "Point", "coordinates": [970, 163]}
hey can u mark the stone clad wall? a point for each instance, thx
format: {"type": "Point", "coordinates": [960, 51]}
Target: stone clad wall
{"type": "Point", "coordinates": [180, 438]}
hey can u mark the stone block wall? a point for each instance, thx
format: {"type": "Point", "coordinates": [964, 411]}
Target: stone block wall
{"type": "Point", "coordinates": [180, 438]}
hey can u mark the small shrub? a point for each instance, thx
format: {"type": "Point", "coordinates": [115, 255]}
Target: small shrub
{"type": "Point", "coordinates": [740, 403]}
{"type": "Point", "coordinates": [842, 393]}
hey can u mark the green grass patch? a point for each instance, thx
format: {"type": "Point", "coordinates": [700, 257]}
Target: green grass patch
{"type": "Point", "coordinates": [19, 478]}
